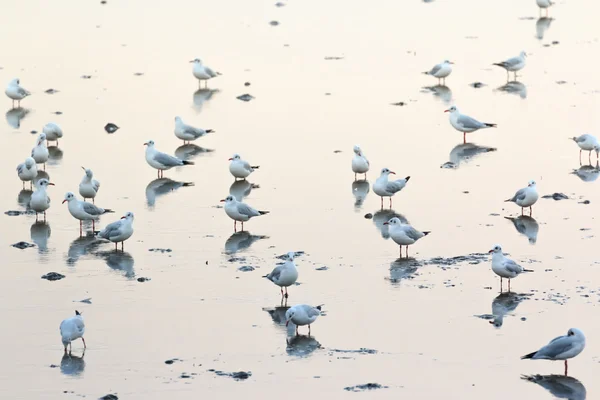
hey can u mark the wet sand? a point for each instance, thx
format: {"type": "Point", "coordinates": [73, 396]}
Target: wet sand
{"type": "Point", "coordinates": [419, 315]}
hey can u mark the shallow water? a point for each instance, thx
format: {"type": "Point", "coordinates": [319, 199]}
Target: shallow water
{"type": "Point", "coordinates": [420, 316]}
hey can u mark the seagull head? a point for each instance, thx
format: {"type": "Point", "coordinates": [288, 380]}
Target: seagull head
{"type": "Point", "coordinates": [44, 183]}
{"type": "Point", "coordinates": [386, 172]}
{"type": "Point", "coordinates": [88, 172]}
{"type": "Point", "coordinates": [41, 138]}
{"type": "Point", "coordinates": [523, 54]}
{"type": "Point", "coordinates": [196, 61]}
{"type": "Point", "coordinates": [357, 150]}
{"type": "Point", "coordinates": [235, 157]}
{"type": "Point", "coordinates": [227, 200]}
{"type": "Point", "coordinates": [451, 110]}
{"type": "Point", "coordinates": [69, 197]}
{"type": "Point", "coordinates": [393, 221]}
{"type": "Point", "coordinates": [149, 143]}
{"type": "Point", "coordinates": [178, 120]}
{"type": "Point", "coordinates": [128, 216]}
{"type": "Point", "coordinates": [290, 256]}
{"type": "Point", "coordinates": [29, 162]}
{"type": "Point", "coordinates": [576, 333]}
{"type": "Point", "coordinates": [289, 314]}
{"type": "Point", "coordinates": [496, 249]}
{"type": "Point", "coordinates": [448, 62]}
{"type": "Point", "coordinates": [14, 81]}
{"type": "Point", "coordinates": [531, 184]}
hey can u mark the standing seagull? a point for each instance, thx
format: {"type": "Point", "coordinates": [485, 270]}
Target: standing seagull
{"type": "Point", "coordinates": [162, 161]}
{"type": "Point", "coordinates": [71, 329]}
{"type": "Point", "coordinates": [441, 71]}
{"type": "Point", "coordinates": [587, 142]}
{"type": "Point", "coordinates": [464, 123]}
{"type": "Point", "coordinates": [284, 275]}
{"type": "Point", "coordinates": [27, 171]}
{"type": "Point", "coordinates": [238, 211]}
{"type": "Point", "coordinates": [360, 164]}
{"type": "Point", "coordinates": [40, 201]}
{"type": "Point", "coordinates": [544, 4]}
{"type": "Point", "coordinates": [119, 231]}
{"type": "Point", "coordinates": [240, 168]}
{"type": "Point", "coordinates": [526, 197]}
{"type": "Point", "coordinates": [404, 234]}
{"type": "Point", "coordinates": [40, 152]}
{"type": "Point", "coordinates": [384, 188]}
{"type": "Point", "coordinates": [302, 314]}
{"type": "Point", "coordinates": [202, 72]}
{"type": "Point", "coordinates": [15, 92]}
{"type": "Point", "coordinates": [505, 267]}
{"type": "Point", "coordinates": [513, 64]}
{"type": "Point", "coordinates": [88, 188]}
{"type": "Point", "coordinates": [53, 132]}
{"type": "Point", "coordinates": [187, 133]}
{"type": "Point", "coordinates": [560, 348]}
{"type": "Point", "coordinates": [84, 211]}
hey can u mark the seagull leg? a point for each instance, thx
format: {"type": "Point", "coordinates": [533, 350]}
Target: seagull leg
{"type": "Point", "coordinates": [406, 251]}
{"type": "Point", "coordinates": [44, 216]}
{"type": "Point", "coordinates": [282, 296]}
{"type": "Point", "coordinates": [566, 367]}
{"type": "Point", "coordinates": [508, 285]}
{"type": "Point", "coordinates": [464, 137]}
{"type": "Point", "coordinates": [234, 225]}
{"type": "Point", "coordinates": [400, 251]}
{"type": "Point", "coordinates": [366, 175]}
{"type": "Point", "coordinates": [521, 210]}
{"type": "Point", "coordinates": [123, 246]}
{"type": "Point", "coordinates": [93, 226]}
{"type": "Point", "coordinates": [530, 211]}
{"type": "Point", "coordinates": [308, 329]}
{"type": "Point", "coordinates": [390, 202]}
{"type": "Point", "coordinates": [80, 228]}
{"type": "Point", "coordinates": [382, 202]}
{"type": "Point", "coordinates": [242, 226]}
{"type": "Point", "coordinates": [500, 284]}
{"type": "Point", "coordinates": [286, 293]}
{"type": "Point", "coordinates": [116, 246]}
{"type": "Point", "coordinates": [296, 330]}
{"type": "Point", "coordinates": [355, 179]}
{"type": "Point", "coordinates": [84, 346]}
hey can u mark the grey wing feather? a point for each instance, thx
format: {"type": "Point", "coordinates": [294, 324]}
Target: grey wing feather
{"type": "Point", "coordinates": [520, 195]}
{"type": "Point", "coordinates": [435, 69]}
{"type": "Point", "coordinates": [20, 168]}
{"type": "Point", "coordinates": [555, 348]}
{"type": "Point", "coordinates": [513, 266]}
{"type": "Point", "coordinates": [510, 62]}
{"type": "Point", "coordinates": [582, 138]}
{"type": "Point", "coordinates": [95, 185]}
{"type": "Point", "coordinates": [310, 311]}
{"type": "Point", "coordinates": [275, 274]}
{"type": "Point", "coordinates": [23, 92]}
{"type": "Point", "coordinates": [92, 209]}
{"type": "Point", "coordinates": [413, 233]}
{"type": "Point", "coordinates": [247, 166]}
{"type": "Point", "coordinates": [167, 160]}
{"type": "Point", "coordinates": [210, 72]}
{"type": "Point", "coordinates": [395, 186]}
{"type": "Point", "coordinates": [111, 230]}
{"type": "Point", "coordinates": [469, 122]}
{"type": "Point", "coordinates": [193, 131]}
{"type": "Point", "coordinates": [245, 209]}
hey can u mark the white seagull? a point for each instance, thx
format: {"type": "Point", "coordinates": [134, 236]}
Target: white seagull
{"type": "Point", "coordinates": [360, 164]}
{"type": "Point", "coordinates": [53, 132]}
{"type": "Point", "coordinates": [88, 187]}
{"type": "Point", "coordinates": [441, 70]}
{"type": "Point", "coordinates": [544, 4]}
{"type": "Point", "coordinates": [202, 72]}
{"type": "Point", "coordinates": [238, 211]}
{"type": "Point", "coordinates": [40, 152]}
{"type": "Point", "coordinates": [71, 329]}
{"type": "Point", "coordinates": [465, 124]}
{"type": "Point", "coordinates": [27, 171]}
{"type": "Point", "coordinates": [187, 133]}
{"type": "Point", "coordinates": [587, 142]}
{"type": "Point", "coordinates": [15, 92]}
{"type": "Point", "coordinates": [284, 275]}
{"type": "Point", "coordinates": [384, 188]}
{"type": "Point", "coordinates": [84, 211]}
{"type": "Point", "coordinates": [119, 231]}
{"type": "Point", "coordinates": [404, 234]}
{"type": "Point", "coordinates": [40, 201]}
{"type": "Point", "coordinates": [302, 314]}
{"type": "Point", "coordinates": [240, 168]}
{"type": "Point", "coordinates": [513, 64]}
{"type": "Point", "coordinates": [505, 267]}
{"type": "Point", "coordinates": [525, 197]}
{"type": "Point", "coordinates": [162, 161]}
{"type": "Point", "coordinates": [560, 348]}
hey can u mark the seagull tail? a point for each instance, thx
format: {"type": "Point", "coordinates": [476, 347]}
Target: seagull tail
{"type": "Point", "coordinates": [490, 125]}
{"type": "Point", "coordinates": [573, 139]}
{"type": "Point", "coordinates": [425, 73]}
{"type": "Point", "coordinates": [188, 184]}
{"type": "Point", "coordinates": [530, 355]}
{"type": "Point", "coordinates": [528, 270]}
{"type": "Point", "coordinates": [507, 200]}
{"type": "Point", "coordinates": [263, 212]}
{"type": "Point", "coordinates": [108, 210]}
{"type": "Point", "coordinates": [188, 162]}
{"type": "Point", "coordinates": [426, 233]}
{"type": "Point", "coordinates": [209, 130]}
{"type": "Point", "coordinates": [407, 178]}
{"type": "Point", "coordinates": [255, 166]}
{"type": "Point", "coordinates": [499, 65]}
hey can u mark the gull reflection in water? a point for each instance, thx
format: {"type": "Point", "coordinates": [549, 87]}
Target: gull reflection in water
{"type": "Point", "coordinates": [72, 365]}
{"type": "Point", "coordinates": [301, 345]}
{"type": "Point", "coordinates": [503, 304]}
{"type": "Point", "coordinates": [55, 155]}
{"type": "Point", "coordinates": [119, 261]}
{"type": "Point", "coordinates": [15, 115]}
{"type": "Point", "coordinates": [541, 26]}
{"type": "Point", "coordinates": [241, 189]}
{"type": "Point", "coordinates": [241, 241]}
{"type": "Point", "coordinates": [40, 232]}
{"type": "Point", "coordinates": [514, 87]}
{"type": "Point", "coordinates": [41, 175]}
{"type": "Point", "coordinates": [82, 246]}
{"type": "Point", "coordinates": [403, 268]}
{"type": "Point", "coordinates": [162, 186]}
{"type": "Point", "coordinates": [202, 96]}
{"type": "Point", "coordinates": [464, 153]}
{"type": "Point", "coordinates": [277, 315]}
{"type": "Point", "coordinates": [526, 226]}
{"type": "Point", "coordinates": [189, 151]}
{"type": "Point", "coordinates": [360, 189]}
{"type": "Point", "coordinates": [381, 216]}
{"type": "Point", "coordinates": [561, 387]}
{"type": "Point", "coordinates": [441, 92]}
{"type": "Point", "coordinates": [24, 197]}
{"type": "Point", "coordinates": [587, 173]}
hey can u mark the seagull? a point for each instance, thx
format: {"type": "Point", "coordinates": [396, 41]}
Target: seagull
{"type": "Point", "coordinates": [162, 161]}
{"type": "Point", "coordinates": [15, 92]}
{"type": "Point", "coordinates": [505, 267]}
{"type": "Point", "coordinates": [587, 142]}
{"type": "Point", "coordinates": [301, 315]}
{"type": "Point", "coordinates": [284, 275]}
{"type": "Point", "coordinates": [119, 231]}
{"type": "Point", "coordinates": [441, 71]}
{"type": "Point", "coordinates": [40, 152]}
{"type": "Point", "coordinates": [71, 329]}
{"type": "Point", "coordinates": [561, 387]}
{"type": "Point", "coordinates": [384, 188]}
{"type": "Point", "coordinates": [513, 64]}
{"type": "Point", "coordinates": [188, 133]}
{"type": "Point", "coordinates": [202, 72]}
{"type": "Point", "coordinates": [561, 348]}
{"type": "Point", "coordinates": [240, 168]}
{"type": "Point", "coordinates": [27, 171]}
{"type": "Point", "coordinates": [88, 188]}
{"type": "Point", "coordinates": [84, 211]}
{"type": "Point", "coordinates": [404, 234]}
{"type": "Point", "coordinates": [40, 201]}
{"type": "Point", "coordinates": [544, 4]}
{"type": "Point", "coordinates": [53, 132]}
{"type": "Point", "coordinates": [464, 123]}
{"type": "Point", "coordinates": [238, 211]}
{"type": "Point", "coordinates": [360, 164]}
{"type": "Point", "coordinates": [526, 197]}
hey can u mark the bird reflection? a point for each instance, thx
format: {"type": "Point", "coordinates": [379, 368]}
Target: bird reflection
{"type": "Point", "coordinates": [189, 151]}
{"type": "Point", "coordinates": [587, 173]}
{"type": "Point", "coordinates": [40, 232]}
{"type": "Point", "coordinates": [541, 26]}
{"type": "Point", "coordinates": [561, 387]}
{"type": "Point", "coordinates": [202, 96]}
{"type": "Point", "coordinates": [503, 304]}
{"type": "Point", "coordinates": [118, 260]}
{"type": "Point", "coordinates": [301, 345]}
{"type": "Point", "coordinates": [24, 198]}
{"type": "Point", "coordinates": [15, 115]}
{"type": "Point", "coordinates": [441, 92]}
{"type": "Point", "coordinates": [241, 241]}
{"type": "Point", "coordinates": [82, 246]}
{"type": "Point", "coordinates": [465, 152]}
{"type": "Point", "coordinates": [360, 189]}
{"type": "Point", "coordinates": [55, 155]}
{"type": "Point", "coordinates": [381, 216]}
{"type": "Point", "coordinates": [526, 226]}
{"type": "Point", "coordinates": [403, 268]}
{"type": "Point", "coordinates": [72, 365]}
{"type": "Point", "coordinates": [241, 189]}
{"type": "Point", "coordinates": [277, 314]}
{"type": "Point", "coordinates": [162, 186]}
{"type": "Point", "coordinates": [41, 175]}
{"type": "Point", "coordinates": [514, 87]}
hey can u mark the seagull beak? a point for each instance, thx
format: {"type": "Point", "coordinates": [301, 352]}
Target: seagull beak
{"type": "Point", "coordinates": [386, 223]}
{"type": "Point", "coordinates": [451, 63]}
{"type": "Point", "coordinates": [447, 110]}
{"type": "Point", "coordinates": [146, 144]}
{"type": "Point", "coordinates": [83, 168]}
{"type": "Point", "coordinates": [50, 183]}
{"type": "Point", "coordinates": [221, 201]}
{"type": "Point", "coordinates": [392, 172]}
{"type": "Point", "coordinates": [491, 251]}
{"type": "Point", "coordinates": [64, 201]}
{"type": "Point", "coordinates": [230, 159]}
{"type": "Point", "coordinates": [287, 322]}
{"type": "Point", "coordinates": [192, 61]}
{"type": "Point", "coordinates": [123, 217]}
